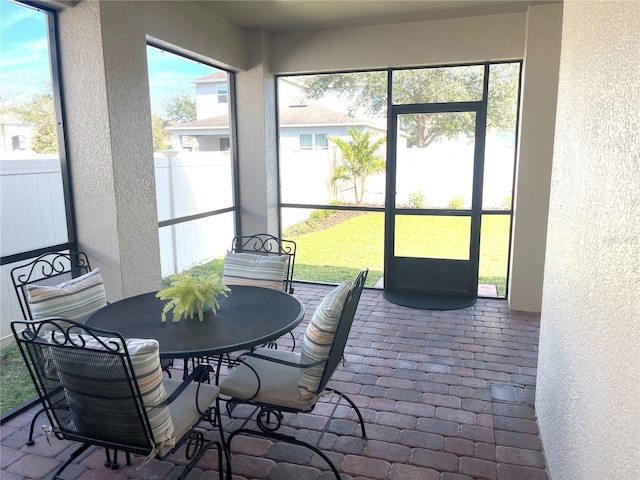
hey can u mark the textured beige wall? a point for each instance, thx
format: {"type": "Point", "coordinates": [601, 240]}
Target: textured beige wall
{"type": "Point", "coordinates": [257, 149]}
{"type": "Point", "coordinates": [101, 98]}
{"type": "Point", "coordinates": [103, 62]}
{"type": "Point", "coordinates": [189, 27]}
{"type": "Point", "coordinates": [497, 37]}
{"type": "Point", "coordinates": [588, 395]}
{"type": "Point", "coordinates": [108, 124]}
{"type": "Point", "coordinates": [534, 37]}
{"type": "Point", "coordinates": [535, 150]}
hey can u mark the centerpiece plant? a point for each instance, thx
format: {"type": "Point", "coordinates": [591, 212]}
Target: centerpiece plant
{"type": "Point", "coordinates": [189, 295]}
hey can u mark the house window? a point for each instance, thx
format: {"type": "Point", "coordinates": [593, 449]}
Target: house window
{"type": "Point", "coordinates": [224, 144]}
{"type": "Point", "coordinates": [306, 141]}
{"type": "Point", "coordinates": [313, 140]}
{"type": "Point", "coordinates": [321, 140]}
{"type": "Point", "coordinates": [221, 91]}
{"type": "Point", "coordinates": [19, 142]}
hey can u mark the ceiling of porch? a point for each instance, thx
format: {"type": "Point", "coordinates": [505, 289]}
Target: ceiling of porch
{"type": "Point", "coordinates": [277, 16]}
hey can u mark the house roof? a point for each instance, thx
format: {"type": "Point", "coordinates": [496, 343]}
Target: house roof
{"type": "Point", "coordinates": [311, 114]}
{"type": "Point", "coordinates": [213, 77]}
{"type": "Point", "coordinates": [221, 121]}
{"type": "Point", "coordinates": [291, 116]}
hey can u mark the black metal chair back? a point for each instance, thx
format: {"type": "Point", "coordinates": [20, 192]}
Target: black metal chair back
{"type": "Point", "coordinates": [48, 269]}
{"type": "Point", "coordinates": [344, 327]}
{"type": "Point", "coordinates": [89, 390]}
{"type": "Point", "coordinates": [74, 398]}
{"type": "Point", "coordinates": [265, 244]}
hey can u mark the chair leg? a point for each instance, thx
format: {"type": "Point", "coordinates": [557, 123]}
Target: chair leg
{"type": "Point", "coordinates": [224, 443]}
{"type": "Point", "coordinates": [166, 365]}
{"type": "Point", "coordinates": [107, 462]}
{"type": "Point", "coordinates": [112, 464]}
{"type": "Point", "coordinates": [196, 448]}
{"type": "Point", "coordinates": [274, 343]}
{"type": "Point", "coordinates": [286, 439]}
{"type": "Point", "coordinates": [74, 455]}
{"type": "Point", "coordinates": [33, 426]}
{"type": "Point", "coordinates": [342, 395]}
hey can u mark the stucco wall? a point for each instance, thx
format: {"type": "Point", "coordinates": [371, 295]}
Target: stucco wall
{"type": "Point", "coordinates": [534, 37]}
{"type": "Point", "coordinates": [535, 150]}
{"type": "Point", "coordinates": [105, 79]}
{"type": "Point", "coordinates": [588, 395]}
{"type": "Point", "coordinates": [189, 27]}
{"type": "Point", "coordinates": [96, 83]}
{"type": "Point", "coordinates": [496, 37]}
{"type": "Point", "coordinates": [89, 140]}
{"type": "Point", "coordinates": [257, 146]}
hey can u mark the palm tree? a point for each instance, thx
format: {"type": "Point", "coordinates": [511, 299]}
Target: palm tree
{"type": "Point", "coordinates": [360, 159]}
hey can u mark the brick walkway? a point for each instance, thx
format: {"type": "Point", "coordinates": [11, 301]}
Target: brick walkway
{"type": "Point", "coordinates": [445, 396]}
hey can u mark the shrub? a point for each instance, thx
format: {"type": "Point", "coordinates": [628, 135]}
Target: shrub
{"type": "Point", "coordinates": [416, 200]}
{"type": "Point", "coordinates": [456, 203]}
{"type": "Point", "coordinates": [314, 222]}
{"type": "Point", "coordinates": [320, 215]}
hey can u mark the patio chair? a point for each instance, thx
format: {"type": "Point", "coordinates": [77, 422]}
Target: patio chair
{"type": "Point", "coordinates": [47, 270]}
{"type": "Point", "coordinates": [60, 284]}
{"type": "Point", "coordinates": [275, 381]}
{"type": "Point", "coordinates": [99, 389]}
{"type": "Point", "coordinates": [261, 260]}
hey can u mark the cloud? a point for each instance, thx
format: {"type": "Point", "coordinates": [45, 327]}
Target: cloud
{"type": "Point", "coordinates": [24, 50]}
{"type": "Point", "coordinates": [25, 66]}
{"type": "Point", "coordinates": [14, 14]}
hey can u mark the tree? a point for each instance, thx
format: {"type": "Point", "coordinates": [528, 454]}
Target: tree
{"type": "Point", "coordinates": [368, 92]}
{"type": "Point", "coordinates": [39, 112]}
{"type": "Point", "coordinates": [360, 159]}
{"type": "Point", "coordinates": [180, 108]}
{"type": "Point", "coordinates": [159, 133]}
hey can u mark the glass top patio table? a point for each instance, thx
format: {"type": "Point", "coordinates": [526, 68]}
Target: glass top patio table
{"type": "Point", "coordinates": [247, 317]}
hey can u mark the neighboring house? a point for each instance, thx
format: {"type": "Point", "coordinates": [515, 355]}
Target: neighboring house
{"type": "Point", "coordinates": [303, 126]}
{"type": "Point", "coordinates": [15, 134]}
{"type": "Point", "coordinates": [207, 134]}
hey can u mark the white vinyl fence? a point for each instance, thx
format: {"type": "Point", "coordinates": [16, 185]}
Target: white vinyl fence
{"type": "Point", "coordinates": [33, 215]}
{"type": "Point", "coordinates": [439, 172]}
{"type": "Point", "coordinates": [190, 184]}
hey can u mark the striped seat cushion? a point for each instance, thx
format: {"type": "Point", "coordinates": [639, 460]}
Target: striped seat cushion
{"type": "Point", "coordinates": [266, 271]}
{"type": "Point", "coordinates": [74, 299]}
{"type": "Point", "coordinates": [319, 337]}
{"type": "Point", "coordinates": [99, 394]}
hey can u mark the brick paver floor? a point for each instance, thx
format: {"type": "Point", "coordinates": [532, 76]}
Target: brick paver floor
{"type": "Point", "coordinates": [446, 395]}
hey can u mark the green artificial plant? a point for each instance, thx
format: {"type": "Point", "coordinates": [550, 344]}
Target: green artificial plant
{"type": "Point", "coordinates": [188, 295]}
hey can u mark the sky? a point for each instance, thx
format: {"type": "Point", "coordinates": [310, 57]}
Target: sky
{"type": "Point", "coordinates": [24, 59]}
{"type": "Point", "coordinates": [24, 52]}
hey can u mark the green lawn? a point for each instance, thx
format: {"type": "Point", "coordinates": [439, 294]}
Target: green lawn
{"type": "Point", "coordinates": [17, 386]}
{"type": "Point", "coordinates": [337, 253]}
